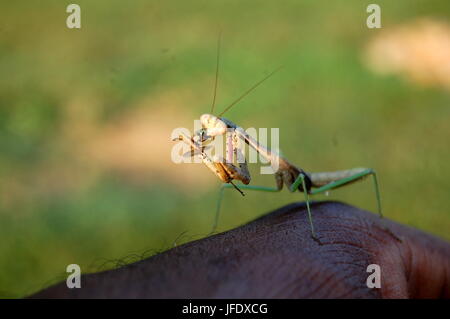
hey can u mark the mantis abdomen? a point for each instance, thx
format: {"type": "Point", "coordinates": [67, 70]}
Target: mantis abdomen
{"type": "Point", "coordinates": [322, 178]}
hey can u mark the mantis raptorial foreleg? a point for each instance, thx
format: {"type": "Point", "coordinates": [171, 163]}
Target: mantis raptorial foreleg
{"type": "Point", "coordinates": [242, 173]}
{"type": "Point", "coordinates": [225, 170]}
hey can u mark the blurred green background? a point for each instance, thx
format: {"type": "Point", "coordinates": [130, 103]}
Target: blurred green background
{"type": "Point", "coordinates": [86, 116]}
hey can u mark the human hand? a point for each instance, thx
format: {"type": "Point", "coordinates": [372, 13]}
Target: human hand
{"type": "Point", "coordinates": [275, 257]}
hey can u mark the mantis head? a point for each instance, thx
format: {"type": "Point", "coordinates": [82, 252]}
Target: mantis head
{"type": "Point", "coordinates": [211, 126]}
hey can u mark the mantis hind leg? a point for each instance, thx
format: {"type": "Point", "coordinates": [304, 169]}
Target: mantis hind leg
{"type": "Point", "coordinates": [334, 184]}
{"type": "Point", "coordinates": [351, 179]}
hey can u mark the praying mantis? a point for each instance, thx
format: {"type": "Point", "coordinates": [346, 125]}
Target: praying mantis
{"type": "Point", "coordinates": [295, 178]}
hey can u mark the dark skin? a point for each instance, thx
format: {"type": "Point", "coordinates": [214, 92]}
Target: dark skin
{"type": "Point", "coordinates": [275, 257]}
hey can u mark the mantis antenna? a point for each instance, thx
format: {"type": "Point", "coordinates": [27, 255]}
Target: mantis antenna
{"type": "Point", "coordinates": [217, 73]}
{"type": "Point", "coordinates": [249, 90]}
